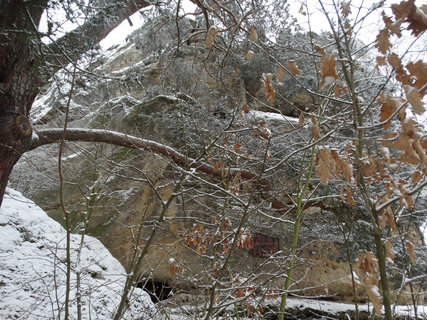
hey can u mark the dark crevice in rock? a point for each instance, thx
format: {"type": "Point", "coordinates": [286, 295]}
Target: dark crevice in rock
{"type": "Point", "coordinates": [157, 289]}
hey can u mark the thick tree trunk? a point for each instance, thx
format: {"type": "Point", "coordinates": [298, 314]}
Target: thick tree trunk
{"type": "Point", "coordinates": [16, 97]}
{"type": "Point", "coordinates": [19, 80]}
{"type": "Point", "coordinates": [15, 138]}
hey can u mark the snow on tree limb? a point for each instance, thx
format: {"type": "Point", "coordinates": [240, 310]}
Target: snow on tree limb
{"type": "Point", "coordinates": [56, 135]}
{"type": "Point", "coordinates": [96, 28]}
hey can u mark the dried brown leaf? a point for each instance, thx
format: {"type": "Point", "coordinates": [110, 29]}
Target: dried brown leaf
{"type": "Point", "coordinates": [244, 239]}
{"type": "Point", "coordinates": [210, 37]}
{"type": "Point", "coordinates": [368, 169]}
{"type": "Point", "coordinates": [416, 177]}
{"type": "Point", "coordinates": [388, 250]}
{"type": "Point", "coordinates": [343, 168]}
{"type": "Point", "coordinates": [350, 196]}
{"type": "Point", "coordinates": [392, 26]}
{"type": "Point", "coordinates": [403, 9]}
{"type": "Point", "coordinates": [173, 267]}
{"type": "Point", "coordinates": [268, 88]}
{"type": "Point", "coordinates": [411, 252]}
{"type": "Point", "coordinates": [419, 71]}
{"type": "Point", "coordinates": [388, 189]}
{"type": "Point", "coordinates": [408, 12]}
{"type": "Point", "coordinates": [403, 77]}
{"type": "Point", "coordinates": [380, 168]}
{"type": "Point", "coordinates": [301, 10]}
{"type": "Point", "coordinates": [390, 219]}
{"type": "Point", "coordinates": [325, 166]}
{"type": "Point", "coordinates": [253, 35]}
{"type": "Point", "coordinates": [394, 60]}
{"type": "Point", "coordinates": [374, 293]}
{"type": "Point", "coordinates": [405, 198]}
{"type": "Point", "coordinates": [368, 263]}
{"type": "Point", "coordinates": [383, 43]}
{"type": "Point", "coordinates": [280, 73]}
{"type": "Point", "coordinates": [381, 61]}
{"type": "Point", "coordinates": [340, 88]}
{"type": "Point", "coordinates": [348, 29]}
{"type": "Point", "coordinates": [414, 97]}
{"type": "Point", "coordinates": [347, 171]}
{"type": "Point", "coordinates": [237, 147]}
{"type": "Point", "coordinates": [249, 55]}
{"type": "Point", "coordinates": [418, 22]}
{"type": "Point", "coordinates": [405, 143]}
{"type": "Point", "coordinates": [409, 157]}
{"type": "Point", "coordinates": [315, 128]}
{"type": "Point", "coordinates": [336, 157]}
{"type": "Point", "coordinates": [421, 152]}
{"type": "Point", "coordinates": [320, 50]}
{"type": "Point", "coordinates": [408, 200]}
{"type": "Point", "coordinates": [345, 8]}
{"type": "Point", "coordinates": [389, 105]}
{"type": "Point", "coordinates": [293, 68]}
{"type": "Point", "coordinates": [388, 140]}
{"type": "Point", "coordinates": [327, 71]}
{"type": "Point", "coordinates": [409, 142]}
{"type": "Point", "coordinates": [301, 119]}
{"type": "Point", "coordinates": [382, 219]}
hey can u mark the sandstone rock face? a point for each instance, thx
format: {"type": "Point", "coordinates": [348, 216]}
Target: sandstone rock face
{"type": "Point", "coordinates": [157, 91]}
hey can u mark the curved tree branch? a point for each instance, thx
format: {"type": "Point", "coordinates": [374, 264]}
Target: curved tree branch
{"type": "Point", "coordinates": [49, 136]}
{"type": "Point", "coordinates": [96, 28]}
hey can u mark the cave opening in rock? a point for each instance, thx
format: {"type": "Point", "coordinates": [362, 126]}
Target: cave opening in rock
{"type": "Point", "coordinates": [157, 289]}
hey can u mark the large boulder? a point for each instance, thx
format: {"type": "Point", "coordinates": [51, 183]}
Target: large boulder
{"type": "Point", "coordinates": [32, 270]}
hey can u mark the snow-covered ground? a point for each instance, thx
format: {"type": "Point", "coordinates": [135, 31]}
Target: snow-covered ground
{"type": "Point", "coordinates": [32, 273]}
{"type": "Point", "coordinates": [330, 309]}
{"type": "Point", "coordinates": [337, 307]}
{"type": "Point", "coordinates": [32, 269]}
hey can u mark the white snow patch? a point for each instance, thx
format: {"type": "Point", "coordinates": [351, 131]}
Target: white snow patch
{"type": "Point", "coordinates": [119, 34]}
{"type": "Point", "coordinates": [125, 70]}
{"type": "Point", "coordinates": [272, 116]}
{"type": "Point", "coordinates": [113, 53]}
{"type": "Point", "coordinates": [337, 307]}
{"type": "Point", "coordinates": [41, 105]}
{"type": "Point", "coordinates": [32, 269]}
{"type": "Point", "coordinates": [74, 155]}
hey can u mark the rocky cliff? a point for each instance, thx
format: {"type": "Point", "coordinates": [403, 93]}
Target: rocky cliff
{"type": "Point", "coordinates": [178, 95]}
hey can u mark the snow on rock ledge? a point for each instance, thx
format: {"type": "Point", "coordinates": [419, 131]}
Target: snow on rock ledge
{"type": "Point", "coordinates": [32, 269]}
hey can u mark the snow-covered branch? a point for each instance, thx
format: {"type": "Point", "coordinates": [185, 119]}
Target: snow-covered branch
{"type": "Point", "coordinates": [392, 200]}
{"type": "Point", "coordinates": [56, 135]}
{"type": "Point", "coordinates": [415, 279]}
{"type": "Point", "coordinates": [97, 27]}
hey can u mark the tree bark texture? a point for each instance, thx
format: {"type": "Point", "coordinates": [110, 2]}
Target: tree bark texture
{"type": "Point", "coordinates": [19, 80]}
